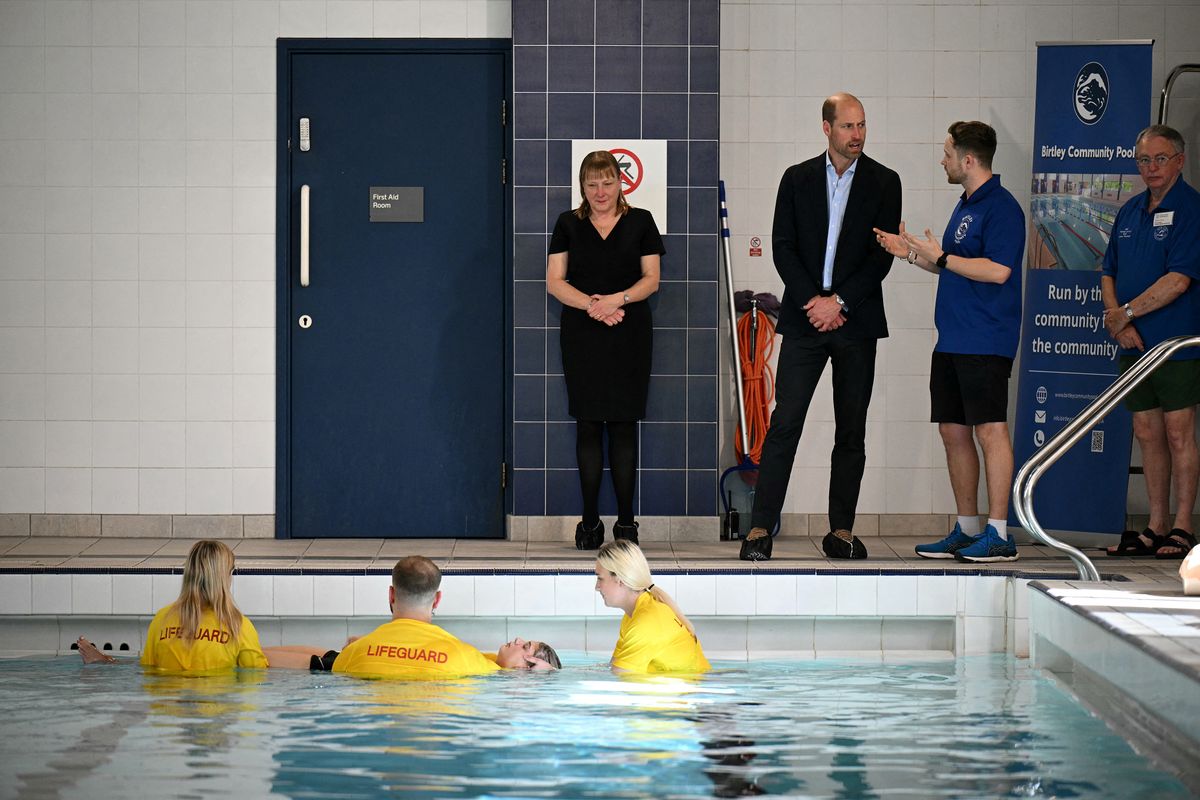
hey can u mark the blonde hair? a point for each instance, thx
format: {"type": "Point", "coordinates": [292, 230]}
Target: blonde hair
{"type": "Point", "coordinates": [627, 563]}
{"type": "Point", "coordinates": [207, 583]}
{"type": "Point", "coordinates": [599, 162]}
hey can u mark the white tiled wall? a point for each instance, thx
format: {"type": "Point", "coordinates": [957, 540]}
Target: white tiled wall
{"type": "Point", "coordinates": [137, 215]}
{"type": "Point", "coordinates": [137, 218]}
{"type": "Point", "coordinates": [917, 66]}
{"type": "Point", "coordinates": [737, 616]}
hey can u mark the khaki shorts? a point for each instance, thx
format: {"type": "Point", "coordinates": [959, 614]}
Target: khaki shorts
{"type": "Point", "coordinates": [1174, 385]}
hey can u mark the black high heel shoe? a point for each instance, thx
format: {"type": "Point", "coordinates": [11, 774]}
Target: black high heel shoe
{"type": "Point", "coordinates": [629, 532]}
{"type": "Point", "coordinates": [589, 539]}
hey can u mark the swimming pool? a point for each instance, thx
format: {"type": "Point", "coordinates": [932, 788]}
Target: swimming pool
{"type": "Point", "coordinates": [973, 727]}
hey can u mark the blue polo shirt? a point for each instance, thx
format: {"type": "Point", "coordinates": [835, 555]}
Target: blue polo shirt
{"type": "Point", "coordinates": [973, 317]}
{"type": "Point", "coordinates": [1146, 245]}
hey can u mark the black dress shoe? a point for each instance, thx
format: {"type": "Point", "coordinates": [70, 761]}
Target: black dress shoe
{"type": "Point", "coordinates": [630, 532]}
{"type": "Point", "coordinates": [586, 539]}
{"type": "Point", "coordinates": [837, 547]}
{"type": "Point", "coordinates": [757, 549]}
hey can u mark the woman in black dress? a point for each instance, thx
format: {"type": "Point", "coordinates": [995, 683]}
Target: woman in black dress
{"type": "Point", "coordinates": [603, 264]}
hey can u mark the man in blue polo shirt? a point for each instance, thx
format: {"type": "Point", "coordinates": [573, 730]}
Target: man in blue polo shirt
{"type": "Point", "coordinates": [1151, 292]}
{"type": "Point", "coordinates": [978, 319]}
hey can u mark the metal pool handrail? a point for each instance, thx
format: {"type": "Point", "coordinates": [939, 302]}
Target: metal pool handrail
{"type": "Point", "coordinates": [1164, 98]}
{"type": "Point", "coordinates": [1071, 433]}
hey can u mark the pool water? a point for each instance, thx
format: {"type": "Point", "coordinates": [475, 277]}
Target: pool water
{"type": "Point", "coordinates": [976, 727]}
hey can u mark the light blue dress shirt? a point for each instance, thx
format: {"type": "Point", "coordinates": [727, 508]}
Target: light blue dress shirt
{"type": "Point", "coordinates": [837, 192]}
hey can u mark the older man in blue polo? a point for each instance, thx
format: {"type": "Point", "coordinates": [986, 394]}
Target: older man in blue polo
{"type": "Point", "coordinates": [1151, 291]}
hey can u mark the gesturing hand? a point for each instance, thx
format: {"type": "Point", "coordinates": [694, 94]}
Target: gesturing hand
{"type": "Point", "coordinates": [927, 248]}
{"type": "Point", "coordinates": [894, 243]}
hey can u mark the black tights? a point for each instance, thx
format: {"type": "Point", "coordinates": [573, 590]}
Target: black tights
{"type": "Point", "coordinates": [622, 461]}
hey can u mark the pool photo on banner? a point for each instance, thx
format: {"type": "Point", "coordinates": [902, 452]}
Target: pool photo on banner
{"type": "Point", "coordinates": [1092, 100]}
{"type": "Point", "coordinates": [1071, 216]}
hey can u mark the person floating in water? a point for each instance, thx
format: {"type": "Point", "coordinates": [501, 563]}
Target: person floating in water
{"type": "Point", "coordinates": [410, 646]}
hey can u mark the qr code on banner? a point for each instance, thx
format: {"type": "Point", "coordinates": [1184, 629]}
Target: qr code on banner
{"type": "Point", "coordinates": [1097, 441]}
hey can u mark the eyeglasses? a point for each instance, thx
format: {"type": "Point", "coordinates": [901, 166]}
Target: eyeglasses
{"type": "Point", "coordinates": [1158, 161]}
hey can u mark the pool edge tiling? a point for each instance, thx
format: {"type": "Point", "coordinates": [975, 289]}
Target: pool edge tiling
{"type": "Point", "coordinates": [1136, 637]}
{"type": "Point", "coordinates": [1130, 652]}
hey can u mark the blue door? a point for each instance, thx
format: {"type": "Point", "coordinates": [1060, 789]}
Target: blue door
{"type": "Point", "coordinates": [391, 361]}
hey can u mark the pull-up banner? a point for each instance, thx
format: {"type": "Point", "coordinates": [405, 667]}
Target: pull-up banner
{"type": "Point", "coordinates": [1092, 100]}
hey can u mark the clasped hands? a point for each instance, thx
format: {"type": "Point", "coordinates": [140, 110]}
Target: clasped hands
{"type": "Point", "coordinates": [909, 246]}
{"type": "Point", "coordinates": [1120, 328]}
{"type": "Point", "coordinates": [607, 308]}
{"type": "Point", "coordinates": [825, 313]}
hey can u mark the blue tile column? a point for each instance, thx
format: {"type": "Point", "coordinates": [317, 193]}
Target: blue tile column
{"type": "Point", "coordinates": [636, 69]}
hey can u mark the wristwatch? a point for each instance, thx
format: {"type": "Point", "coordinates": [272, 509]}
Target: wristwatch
{"type": "Point", "coordinates": [837, 298]}
{"type": "Point", "coordinates": [941, 262]}
{"type": "Point", "coordinates": [1128, 311]}
{"type": "Point", "coordinates": [626, 301]}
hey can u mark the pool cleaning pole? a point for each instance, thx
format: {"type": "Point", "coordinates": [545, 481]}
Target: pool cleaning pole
{"type": "Point", "coordinates": [733, 335]}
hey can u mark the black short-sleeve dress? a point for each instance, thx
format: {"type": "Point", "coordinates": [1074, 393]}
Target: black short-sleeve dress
{"type": "Point", "coordinates": [607, 368]}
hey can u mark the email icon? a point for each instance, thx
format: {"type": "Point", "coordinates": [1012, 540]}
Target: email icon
{"type": "Point", "coordinates": [1039, 415]}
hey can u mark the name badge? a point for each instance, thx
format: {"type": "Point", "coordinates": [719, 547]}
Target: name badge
{"type": "Point", "coordinates": [1164, 218]}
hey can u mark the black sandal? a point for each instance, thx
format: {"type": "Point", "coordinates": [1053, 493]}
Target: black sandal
{"type": "Point", "coordinates": [1181, 540]}
{"type": "Point", "coordinates": [1132, 546]}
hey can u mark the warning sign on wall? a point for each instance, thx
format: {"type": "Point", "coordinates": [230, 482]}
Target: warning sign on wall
{"type": "Point", "coordinates": [643, 164]}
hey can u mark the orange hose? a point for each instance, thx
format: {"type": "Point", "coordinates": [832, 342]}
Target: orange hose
{"type": "Point", "coordinates": [758, 384]}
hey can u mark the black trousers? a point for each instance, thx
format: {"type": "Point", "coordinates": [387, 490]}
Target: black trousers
{"type": "Point", "coordinates": [801, 362]}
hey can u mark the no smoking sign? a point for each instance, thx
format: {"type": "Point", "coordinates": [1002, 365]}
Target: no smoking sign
{"type": "Point", "coordinates": [631, 169]}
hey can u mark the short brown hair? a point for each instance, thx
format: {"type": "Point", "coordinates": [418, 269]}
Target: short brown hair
{"type": "Point", "coordinates": [976, 138]}
{"type": "Point", "coordinates": [416, 579]}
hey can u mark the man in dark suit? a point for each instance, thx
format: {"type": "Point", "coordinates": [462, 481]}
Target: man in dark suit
{"type": "Point", "coordinates": [833, 271]}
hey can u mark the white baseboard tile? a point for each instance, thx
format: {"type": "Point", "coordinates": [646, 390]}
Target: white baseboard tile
{"type": "Point", "coordinates": [132, 594]}
{"type": "Point", "coordinates": [842, 635]}
{"type": "Point", "coordinates": [750, 614]}
{"type": "Point", "coordinates": [16, 594]}
{"type": "Point", "coordinates": [780, 635]}
{"type": "Point", "coordinates": [600, 634]}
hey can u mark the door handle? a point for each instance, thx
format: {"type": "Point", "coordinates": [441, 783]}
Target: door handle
{"type": "Point", "coordinates": [304, 191]}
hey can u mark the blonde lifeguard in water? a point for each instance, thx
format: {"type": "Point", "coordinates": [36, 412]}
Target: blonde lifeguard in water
{"type": "Point", "coordinates": [203, 630]}
{"type": "Point", "coordinates": [655, 635]}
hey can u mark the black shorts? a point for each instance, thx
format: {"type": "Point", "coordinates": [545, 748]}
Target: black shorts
{"type": "Point", "coordinates": [323, 663]}
{"type": "Point", "coordinates": [968, 389]}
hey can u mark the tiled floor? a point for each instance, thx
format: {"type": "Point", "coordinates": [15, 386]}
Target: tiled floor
{"type": "Point", "coordinates": [887, 553]}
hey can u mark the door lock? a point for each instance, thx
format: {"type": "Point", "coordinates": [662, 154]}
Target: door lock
{"type": "Point", "coordinates": [305, 321]}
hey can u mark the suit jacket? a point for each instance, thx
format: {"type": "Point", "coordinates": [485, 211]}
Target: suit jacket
{"type": "Point", "coordinates": [859, 265]}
